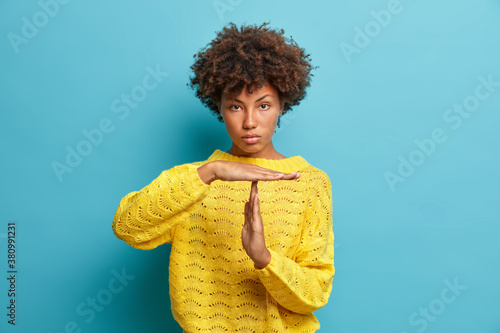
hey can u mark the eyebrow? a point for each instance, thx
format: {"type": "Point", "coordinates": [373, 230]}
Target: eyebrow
{"type": "Point", "coordinates": [237, 100]}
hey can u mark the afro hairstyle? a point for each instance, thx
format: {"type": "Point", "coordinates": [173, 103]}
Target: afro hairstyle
{"type": "Point", "coordinates": [251, 55]}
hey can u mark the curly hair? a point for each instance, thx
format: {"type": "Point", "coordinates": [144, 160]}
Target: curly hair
{"type": "Point", "coordinates": [252, 56]}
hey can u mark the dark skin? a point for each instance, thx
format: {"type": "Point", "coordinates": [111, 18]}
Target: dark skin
{"type": "Point", "coordinates": [255, 113]}
{"type": "Point", "coordinates": [252, 113]}
{"type": "Point", "coordinates": [252, 235]}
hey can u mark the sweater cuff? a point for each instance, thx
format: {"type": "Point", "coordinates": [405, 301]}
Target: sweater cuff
{"type": "Point", "coordinates": [191, 185]}
{"type": "Point", "coordinates": [269, 272]}
{"type": "Point", "coordinates": [194, 178]}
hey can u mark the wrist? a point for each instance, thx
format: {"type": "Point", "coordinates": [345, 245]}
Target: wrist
{"type": "Point", "coordinates": [262, 262]}
{"type": "Point", "coordinates": [206, 172]}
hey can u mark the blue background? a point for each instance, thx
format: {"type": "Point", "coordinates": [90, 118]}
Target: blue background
{"type": "Point", "coordinates": [397, 246]}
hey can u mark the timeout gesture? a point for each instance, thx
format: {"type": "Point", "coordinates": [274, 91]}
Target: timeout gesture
{"type": "Point", "coordinates": [233, 171]}
{"type": "Point", "coordinates": [252, 235]}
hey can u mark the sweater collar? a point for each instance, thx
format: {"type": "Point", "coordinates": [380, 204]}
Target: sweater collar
{"type": "Point", "coordinates": [287, 165]}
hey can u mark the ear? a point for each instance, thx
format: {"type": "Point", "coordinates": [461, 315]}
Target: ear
{"type": "Point", "coordinates": [218, 103]}
{"type": "Point", "coordinates": [221, 114]}
{"type": "Point", "coordinates": [282, 106]}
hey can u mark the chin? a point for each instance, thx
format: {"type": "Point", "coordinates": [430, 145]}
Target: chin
{"type": "Point", "coordinates": [255, 148]}
{"type": "Point", "coordinates": [251, 150]}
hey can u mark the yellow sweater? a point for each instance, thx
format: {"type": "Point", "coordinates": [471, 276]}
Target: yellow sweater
{"type": "Point", "coordinates": [214, 286]}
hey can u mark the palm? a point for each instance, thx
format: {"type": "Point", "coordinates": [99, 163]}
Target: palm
{"type": "Point", "coordinates": [252, 235]}
{"type": "Point", "coordinates": [231, 171]}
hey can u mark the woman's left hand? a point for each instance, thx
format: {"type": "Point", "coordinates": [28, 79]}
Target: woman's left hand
{"type": "Point", "coordinates": [252, 235]}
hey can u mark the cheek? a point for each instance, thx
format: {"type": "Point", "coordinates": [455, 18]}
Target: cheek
{"type": "Point", "coordinates": [275, 122]}
{"type": "Point", "coordinates": [230, 126]}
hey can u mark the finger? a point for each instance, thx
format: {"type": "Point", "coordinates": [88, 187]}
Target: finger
{"type": "Point", "coordinates": [256, 222]}
{"type": "Point", "coordinates": [256, 198]}
{"type": "Point", "coordinates": [282, 175]}
{"type": "Point", "coordinates": [256, 206]}
{"type": "Point", "coordinates": [250, 206]}
{"type": "Point", "coordinates": [256, 218]}
{"type": "Point", "coordinates": [291, 175]}
{"type": "Point", "coordinates": [247, 213]}
{"type": "Point", "coordinates": [252, 190]}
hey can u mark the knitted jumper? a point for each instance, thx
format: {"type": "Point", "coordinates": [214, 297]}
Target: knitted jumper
{"type": "Point", "coordinates": [214, 286]}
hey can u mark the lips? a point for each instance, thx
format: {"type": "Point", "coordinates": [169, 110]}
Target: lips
{"type": "Point", "coordinates": [251, 138]}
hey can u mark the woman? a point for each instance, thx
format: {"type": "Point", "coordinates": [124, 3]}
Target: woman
{"type": "Point", "coordinates": [244, 258]}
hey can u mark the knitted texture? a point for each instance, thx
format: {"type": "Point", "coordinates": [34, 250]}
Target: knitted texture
{"type": "Point", "coordinates": [214, 286]}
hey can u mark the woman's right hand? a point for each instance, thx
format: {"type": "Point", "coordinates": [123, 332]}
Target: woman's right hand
{"type": "Point", "coordinates": [233, 171]}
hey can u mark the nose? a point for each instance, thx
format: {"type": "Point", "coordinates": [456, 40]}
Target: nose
{"type": "Point", "coordinates": [249, 121]}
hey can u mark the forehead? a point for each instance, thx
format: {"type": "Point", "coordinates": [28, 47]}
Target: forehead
{"type": "Point", "coordinates": [266, 89]}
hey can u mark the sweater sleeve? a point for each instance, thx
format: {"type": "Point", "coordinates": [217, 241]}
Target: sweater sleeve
{"type": "Point", "coordinates": [147, 218]}
{"type": "Point", "coordinates": [304, 285]}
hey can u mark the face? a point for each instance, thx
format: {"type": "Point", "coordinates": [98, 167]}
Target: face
{"type": "Point", "coordinates": [254, 114]}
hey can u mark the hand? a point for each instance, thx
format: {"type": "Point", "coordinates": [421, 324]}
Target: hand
{"type": "Point", "coordinates": [252, 235]}
{"type": "Point", "coordinates": [231, 171]}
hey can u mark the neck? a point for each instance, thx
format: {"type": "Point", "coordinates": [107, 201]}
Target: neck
{"type": "Point", "coordinates": [289, 164]}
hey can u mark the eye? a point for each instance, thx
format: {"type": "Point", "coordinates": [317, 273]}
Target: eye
{"type": "Point", "coordinates": [235, 107]}
{"type": "Point", "coordinates": [265, 106]}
